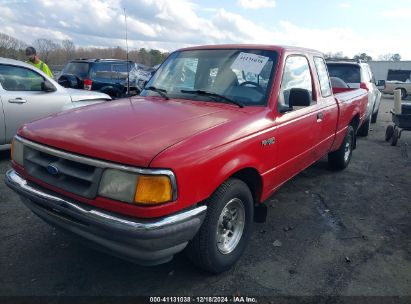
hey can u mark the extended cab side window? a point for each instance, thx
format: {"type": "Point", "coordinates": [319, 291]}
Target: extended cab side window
{"type": "Point", "coordinates": [296, 75]}
{"type": "Point", "coordinates": [15, 78]}
{"type": "Point", "coordinates": [323, 76]}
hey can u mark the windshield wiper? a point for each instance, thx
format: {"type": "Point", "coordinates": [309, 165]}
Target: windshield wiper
{"type": "Point", "coordinates": [161, 92]}
{"type": "Point", "coordinates": [212, 94]}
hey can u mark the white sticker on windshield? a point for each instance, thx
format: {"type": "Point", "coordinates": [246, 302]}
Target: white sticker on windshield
{"type": "Point", "coordinates": [249, 62]}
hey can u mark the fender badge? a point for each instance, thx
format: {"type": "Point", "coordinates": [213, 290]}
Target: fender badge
{"type": "Point", "coordinates": [268, 142]}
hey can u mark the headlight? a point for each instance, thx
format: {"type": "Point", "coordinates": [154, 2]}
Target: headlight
{"type": "Point", "coordinates": [118, 185]}
{"type": "Point", "coordinates": [136, 188]}
{"type": "Point", "coordinates": [17, 151]}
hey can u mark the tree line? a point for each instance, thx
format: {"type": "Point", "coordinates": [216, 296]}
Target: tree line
{"type": "Point", "coordinates": [60, 52]}
{"type": "Point", "coordinates": [364, 56]}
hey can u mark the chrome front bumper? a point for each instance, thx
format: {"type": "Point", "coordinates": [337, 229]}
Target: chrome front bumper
{"type": "Point", "coordinates": [147, 242]}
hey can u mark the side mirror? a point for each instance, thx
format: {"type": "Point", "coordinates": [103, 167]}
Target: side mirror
{"type": "Point", "coordinates": [299, 98]}
{"type": "Point", "coordinates": [296, 98]}
{"type": "Point", "coordinates": [47, 86]}
{"type": "Point", "coordinates": [381, 85]}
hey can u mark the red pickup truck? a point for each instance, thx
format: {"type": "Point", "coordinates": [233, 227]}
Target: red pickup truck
{"type": "Point", "coordinates": [186, 164]}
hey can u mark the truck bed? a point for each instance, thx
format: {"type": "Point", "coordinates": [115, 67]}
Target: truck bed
{"type": "Point", "coordinates": [351, 103]}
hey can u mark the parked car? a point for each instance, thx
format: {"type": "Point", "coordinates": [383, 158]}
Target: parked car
{"type": "Point", "coordinates": [187, 163]}
{"type": "Point", "coordinates": [390, 86]}
{"type": "Point", "coordinates": [358, 75]}
{"type": "Point", "coordinates": [105, 75]}
{"type": "Point", "coordinates": [381, 85]}
{"type": "Point", "coordinates": [26, 94]}
{"type": "Point", "coordinates": [139, 76]}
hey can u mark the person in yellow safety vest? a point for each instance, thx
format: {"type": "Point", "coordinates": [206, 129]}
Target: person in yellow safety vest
{"type": "Point", "coordinates": [34, 60]}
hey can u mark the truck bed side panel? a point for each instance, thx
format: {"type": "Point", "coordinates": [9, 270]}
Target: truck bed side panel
{"type": "Point", "coordinates": [352, 105]}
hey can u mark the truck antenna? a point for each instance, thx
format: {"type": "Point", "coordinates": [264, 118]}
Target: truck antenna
{"type": "Point", "coordinates": [128, 68]}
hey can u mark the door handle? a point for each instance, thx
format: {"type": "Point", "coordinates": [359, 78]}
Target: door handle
{"type": "Point", "coordinates": [320, 116]}
{"type": "Point", "coordinates": [17, 100]}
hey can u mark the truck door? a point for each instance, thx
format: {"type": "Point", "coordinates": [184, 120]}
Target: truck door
{"type": "Point", "coordinates": [23, 98]}
{"type": "Point", "coordinates": [297, 129]}
{"type": "Point", "coordinates": [328, 111]}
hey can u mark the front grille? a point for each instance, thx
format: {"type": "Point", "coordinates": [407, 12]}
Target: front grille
{"type": "Point", "coordinates": [71, 176]}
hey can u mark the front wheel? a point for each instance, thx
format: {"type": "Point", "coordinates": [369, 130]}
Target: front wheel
{"type": "Point", "coordinates": [339, 159]}
{"type": "Point", "coordinates": [225, 232]}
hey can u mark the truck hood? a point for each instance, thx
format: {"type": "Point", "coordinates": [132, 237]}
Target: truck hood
{"type": "Point", "coordinates": [128, 131]}
{"type": "Point", "coordinates": [84, 95]}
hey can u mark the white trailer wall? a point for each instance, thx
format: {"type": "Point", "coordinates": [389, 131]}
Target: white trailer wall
{"type": "Point", "coordinates": [380, 68]}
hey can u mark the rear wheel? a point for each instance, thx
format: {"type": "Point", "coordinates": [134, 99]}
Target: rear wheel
{"type": "Point", "coordinates": [69, 81]}
{"type": "Point", "coordinates": [395, 136]}
{"type": "Point", "coordinates": [339, 159]}
{"type": "Point", "coordinates": [388, 132]}
{"type": "Point", "coordinates": [365, 128]}
{"type": "Point", "coordinates": [225, 232]}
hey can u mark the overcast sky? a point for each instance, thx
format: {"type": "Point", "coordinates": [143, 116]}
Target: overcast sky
{"type": "Point", "coordinates": [375, 27]}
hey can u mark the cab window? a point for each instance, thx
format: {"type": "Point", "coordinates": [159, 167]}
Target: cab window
{"type": "Point", "coordinates": [296, 75]}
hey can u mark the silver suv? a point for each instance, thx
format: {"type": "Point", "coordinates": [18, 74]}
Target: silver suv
{"type": "Point", "coordinates": [358, 75]}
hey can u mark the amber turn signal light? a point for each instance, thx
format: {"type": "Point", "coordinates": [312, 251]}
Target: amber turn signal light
{"type": "Point", "coordinates": [153, 189]}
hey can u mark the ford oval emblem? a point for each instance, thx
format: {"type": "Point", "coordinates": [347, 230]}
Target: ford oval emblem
{"type": "Point", "coordinates": [53, 170]}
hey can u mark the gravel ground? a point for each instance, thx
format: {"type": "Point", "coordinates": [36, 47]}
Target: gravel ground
{"type": "Point", "coordinates": [327, 234]}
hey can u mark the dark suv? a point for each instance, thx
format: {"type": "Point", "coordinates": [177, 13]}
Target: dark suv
{"type": "Point", "coordinates": [105, 75]}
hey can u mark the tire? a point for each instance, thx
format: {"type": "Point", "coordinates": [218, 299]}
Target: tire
{"type": "Point", "coordinates": [395, 136]}
{"type": "Point", "coordinates": [112, 93]}
{"type": "Point", "coordinates": [365, 128]}
{"type": "Point", "coordinates": [403, 94]}
{"type": "Point", "coordinates": [339, 159]}
{"type": "Point", "coordinates": [69, 81]}
{"type": "Point", "coordinates": [388, 132]}
{"type": "Point", "coordinates": [374, 117]}
{"type": "Point", "coordinates": [205, 250]}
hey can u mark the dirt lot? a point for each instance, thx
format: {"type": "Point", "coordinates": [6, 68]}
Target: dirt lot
{"type": "Point", "coordinates": [337, 233]}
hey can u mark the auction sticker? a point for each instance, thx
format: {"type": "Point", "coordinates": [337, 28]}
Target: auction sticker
{"type": "Point", "coordinates": [249, 62]}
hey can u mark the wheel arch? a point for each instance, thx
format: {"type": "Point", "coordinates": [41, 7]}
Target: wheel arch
{"type": "Point", "coordinates": [252, 178]}
{"type": "Point", "coordinates": [355, 122]}
{"type": "Point", "coordinates": [403, 89]}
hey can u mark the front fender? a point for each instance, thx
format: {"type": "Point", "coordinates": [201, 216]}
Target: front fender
{"type": "Point", "coordinates": [228, 169]}
{"type": "Point", "coordinates": [198, 176]}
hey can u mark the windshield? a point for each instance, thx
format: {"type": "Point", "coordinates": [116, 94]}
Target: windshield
{"type": "Point", "coordinates": [242, 75]}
